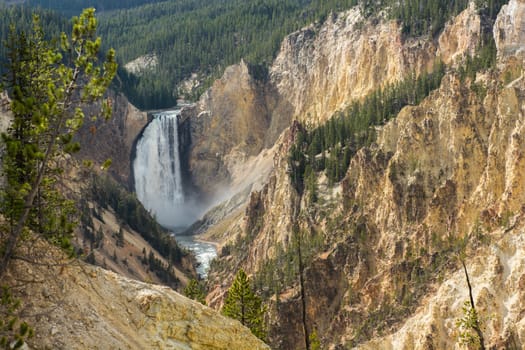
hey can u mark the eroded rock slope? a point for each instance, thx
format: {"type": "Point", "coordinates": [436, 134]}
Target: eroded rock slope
{"type": "Point", "coordinates": [444, 177]}
{"type": "Point", "coordinates": [319, 70]}
{"type": "Point", "coordinates": [72, 305]}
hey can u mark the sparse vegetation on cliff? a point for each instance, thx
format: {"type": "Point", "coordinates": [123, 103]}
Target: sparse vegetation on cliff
{"type": "Point", "coordinates": [108, 194]}
{"type": "Point", "coordinates": [330, 147]}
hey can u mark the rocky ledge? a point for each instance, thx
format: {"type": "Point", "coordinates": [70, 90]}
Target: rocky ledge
{"type": "Point", "coordinates": [78, 306]}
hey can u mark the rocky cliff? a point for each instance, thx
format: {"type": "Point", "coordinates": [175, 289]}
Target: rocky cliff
{"type": "Point", "coordinates": [113, 139]}
{"type": "Point", "coordinates": [444, 179]}
{"type": "Point", "coordinates": [76, 306]}
{"type": "Point", "coordinates": [227, 126]}
{"type": "Point", "coordinates": [509, 31]}
{"type": "Point", "coordinates": [497, 274]}
{"type": "Point", "coordinates": [327, 67]}
{"type": "Point", "coordinates": [322, 69]}
{"type": "Point", "coordinates": [319, 70]}
{"type": "Point", "coordinates": [4, 111]}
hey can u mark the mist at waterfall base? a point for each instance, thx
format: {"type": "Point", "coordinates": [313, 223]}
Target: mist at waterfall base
{"type": "Point", "coordinates": [157, 173]}
{"type": "Point", "coordinates": [159, 186]}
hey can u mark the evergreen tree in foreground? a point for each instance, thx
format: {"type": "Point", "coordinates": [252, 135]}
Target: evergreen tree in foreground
{"type": "Point", "coordinates": [243, 304]}
{"type": "Point", "coordinates": [47, 82]}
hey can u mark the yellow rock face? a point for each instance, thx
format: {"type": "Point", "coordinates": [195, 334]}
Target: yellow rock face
{"type": "Point", "coordinates": [497, 275]}
{"type": "Point", "coordinates": [228, 125]}
{"type": "Point", "coordinates": [319, 70]}
{"type": "Point", "coordinates": [460, 36]}
{"type": "Point", "coordinates": [449, 168]}
{"type": "Point", "coordinates": [87, 307]}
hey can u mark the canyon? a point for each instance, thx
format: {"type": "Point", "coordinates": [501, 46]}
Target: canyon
{"type": "Point", "coordinates": [443, 179]}
{"type": "Point", "coordinates": [375, 261]}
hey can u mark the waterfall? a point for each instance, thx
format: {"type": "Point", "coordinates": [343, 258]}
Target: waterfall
{"type": "Point", "coordinates": [156, 168]}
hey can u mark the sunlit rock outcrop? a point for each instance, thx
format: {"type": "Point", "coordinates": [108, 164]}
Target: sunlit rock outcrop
{"type": "Point", "coordinates": [86, 307]}
{"type": "Point", "coordinates": [509, 29]}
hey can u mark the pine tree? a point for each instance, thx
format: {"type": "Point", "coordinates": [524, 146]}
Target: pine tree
{"type": "Point", "coordinates": [47, 86]}
{"type": "Point", "coordinates": [244, 305]}
{"type": "Point", "coordinates": [195, 291]}
{"type": "Point", "coordinates": [13, 333]}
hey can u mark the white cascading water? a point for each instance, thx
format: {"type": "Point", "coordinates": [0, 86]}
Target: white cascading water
{"type": "Point", "coordinates": [158, 183]}
{"type": "Point", "coordinates": [156, 168]}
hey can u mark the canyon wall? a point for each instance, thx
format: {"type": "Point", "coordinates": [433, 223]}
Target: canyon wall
{"type": "Point", "coordinates": [443, 180]}
{"type": "Point", "coordinates": [320, 64]}
{"type": "Point", "coordinates": [227, 125]}
{"type": "Point", "coordinates": [319, 70]}
{"type": "Point", "coordinates": [113, 138]}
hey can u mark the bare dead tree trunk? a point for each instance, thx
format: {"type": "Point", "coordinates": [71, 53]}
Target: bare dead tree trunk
{"type": "Point", "coordinates": [303, 294]}
{"type": "Point", "coordinates": [476, 325]}
{"type": "Point", "coordinates": [297, 236]}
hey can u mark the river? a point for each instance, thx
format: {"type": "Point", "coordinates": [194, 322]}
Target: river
{"type": "Point", "coordinates": [204, 252]}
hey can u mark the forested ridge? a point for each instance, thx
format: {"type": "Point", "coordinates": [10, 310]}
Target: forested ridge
{"type": "Point", "coordinates": [195, 36]}
{"type": "Point", "coordinates": [74, 7]}
{"type": "Point", "coordinates": [22, 17]}
{"type": "Point", "coordinates": [202, 37]}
